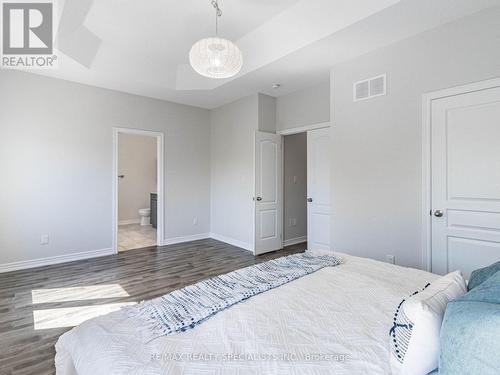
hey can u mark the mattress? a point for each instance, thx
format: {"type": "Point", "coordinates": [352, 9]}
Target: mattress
{"type": "Point", "coordinates": [334, 321]}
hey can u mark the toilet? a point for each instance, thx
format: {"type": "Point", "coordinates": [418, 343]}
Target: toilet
{"type": "Point", "coordinates": [145, 214]}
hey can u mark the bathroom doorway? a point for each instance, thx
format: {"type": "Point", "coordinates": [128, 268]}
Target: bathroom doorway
{"type": "Point", "coordinates": [138, 189]}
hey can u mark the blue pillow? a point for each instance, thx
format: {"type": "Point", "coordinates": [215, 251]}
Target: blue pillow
{"type": "Point", "coordinates": [470, 332]}
{"type": "Point", "coordinates": [479, 276]}
{"type": "Point", "coordinates": [488, 291]}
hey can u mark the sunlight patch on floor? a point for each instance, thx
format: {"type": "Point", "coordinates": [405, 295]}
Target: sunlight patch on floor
{"type": "Point", "coordinates": [78, 293]}
{"type": "Point", "coordinates": [72, 316]}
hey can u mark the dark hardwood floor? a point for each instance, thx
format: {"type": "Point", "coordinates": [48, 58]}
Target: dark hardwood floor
{"type": "Point", "coordinates": [29, 307]}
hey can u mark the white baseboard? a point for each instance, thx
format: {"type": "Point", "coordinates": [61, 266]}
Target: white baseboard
{"type": "Point", "coordinates": [202, 236]}
{"type": "Point", "coordinates": [232, 241]}
{"type": "Point", "coordinates": [25, 264]}
{"type": "Point", "coordinates": [176, 240]}
{"type": "Point", "coordinates": [129, 221]}
{"type": "Point", "coordinates": [294, 241]}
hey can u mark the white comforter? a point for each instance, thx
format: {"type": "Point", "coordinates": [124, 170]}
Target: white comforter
{"type": "Point", "coordinates": [342, 314]}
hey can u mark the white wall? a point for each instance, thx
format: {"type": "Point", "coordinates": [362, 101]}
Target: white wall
{"type": "Point", "coordinates": [304, 107]}
{"type": "Point", "coordinates": [295, 190]}
{"type": "Point", "coordinates": [137, 156]}
{"type": "Point", "coordinates": [376, 144]}
{"type": "Point", "coordinates": [232, 164]}
{"type": "Point", "coordinates": [56, 164]}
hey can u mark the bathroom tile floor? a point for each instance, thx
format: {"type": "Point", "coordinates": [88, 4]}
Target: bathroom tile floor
{"type": "Point", "coordinates": [135, 236]}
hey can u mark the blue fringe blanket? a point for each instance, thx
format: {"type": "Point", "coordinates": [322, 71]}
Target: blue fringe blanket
{"type": "Point", "coordinates": [187, 307]}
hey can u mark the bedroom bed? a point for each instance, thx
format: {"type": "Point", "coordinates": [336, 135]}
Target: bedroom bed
{"type": "Point", "coordinates": [335, 320]}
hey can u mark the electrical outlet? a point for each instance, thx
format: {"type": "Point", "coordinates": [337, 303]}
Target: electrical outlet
{"type": "Point", "coordinates": [195, 221]}
{"type": "Point", "coordinates": [290, 223]}
{"type": "Point", "coordinates": [390, 259]}
{"type": "Point", "coordinates": [44, 239]}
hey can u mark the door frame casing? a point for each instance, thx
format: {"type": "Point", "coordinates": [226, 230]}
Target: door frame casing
{"type": "Point", "coordinates": [304, 129]}
{"type": "Point", "coordinates": [427, 100]}
{"type": "Point", "coordinates": [160, 181]}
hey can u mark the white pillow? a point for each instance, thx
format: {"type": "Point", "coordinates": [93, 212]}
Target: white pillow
{"type": "Point", "coordinates": [414, 336]}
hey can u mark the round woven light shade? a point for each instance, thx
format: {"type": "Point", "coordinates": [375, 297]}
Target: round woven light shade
{"type": "Point", "coordinates": [216, 58]}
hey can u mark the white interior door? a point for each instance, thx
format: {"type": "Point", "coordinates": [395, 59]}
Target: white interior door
{"type": "Point", "coordinates": [318, 189]}
{"type": "Point", "coordinates": [268, 192]}
{"type": "Point", "coordinates": [465, 149]}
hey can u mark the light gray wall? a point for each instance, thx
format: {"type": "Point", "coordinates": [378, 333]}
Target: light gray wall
{"type": "Point", "coordinates": [267, 113]}
{"type": "Point", "coordinates": [295, 193]}
{"type": "Point", "coordinates": [376, 144]}
{"type": "Point", "coordinates": [232, 163]}
{"type": "Point", "coordinates": [56, 164]}
{"type": "Point", "coordinates": [137, 162]}
{"type": "Point", "coordinates": [304, 107]}
{"type": "Point", "coordinates": [233, 128]}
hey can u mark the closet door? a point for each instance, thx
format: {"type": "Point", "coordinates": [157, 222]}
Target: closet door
{"type": "Point", "coordinates": [318, 189]}
{"type": "Point", "coordinates": [465, 154]}
{"type": "Point", "coordinates": [268, 192]}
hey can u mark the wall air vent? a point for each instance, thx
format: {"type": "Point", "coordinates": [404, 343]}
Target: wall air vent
{"type": "Point", "coordinates": [370, 88]}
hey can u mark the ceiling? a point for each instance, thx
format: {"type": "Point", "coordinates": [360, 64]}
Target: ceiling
{"type": "Point", "coordinates": [142, 47]}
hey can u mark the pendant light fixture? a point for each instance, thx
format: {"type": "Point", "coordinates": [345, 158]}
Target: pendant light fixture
{"type": "Point", "coordinates": [216, 57]}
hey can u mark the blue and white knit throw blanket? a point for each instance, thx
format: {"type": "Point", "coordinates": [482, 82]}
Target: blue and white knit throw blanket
{"type": "Point", "coordinates": [187, 307]}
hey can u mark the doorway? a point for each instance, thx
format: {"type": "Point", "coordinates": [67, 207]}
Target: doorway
{"type": "Point", "coordinates": [292, 188]}
{"type": "Point", "coordinates": [138, 189]}
{"type": "Point", "coordinates": [306, 185]}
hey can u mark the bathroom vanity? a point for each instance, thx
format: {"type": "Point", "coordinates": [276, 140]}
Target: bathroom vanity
{"type": "Point", "coordinates": [154, 209]}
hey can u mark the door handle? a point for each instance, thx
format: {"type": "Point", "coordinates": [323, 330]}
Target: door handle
{"type": "Point", "coordinates": [121, 176]}
{"type": "Point", "coordinates": [258, 199]}
{"type": "Point", "coordinates": [309, 200]}
{"type": "Point", "coordinates": [438, 213]}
